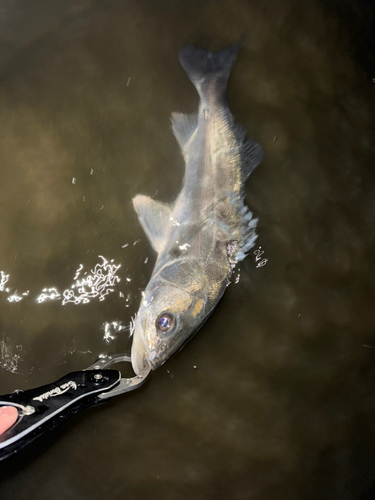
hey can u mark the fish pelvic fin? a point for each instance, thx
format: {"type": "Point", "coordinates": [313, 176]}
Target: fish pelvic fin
{"type": "Point", "coordinates": [204, 67]}
{"type": "Point", "coordinates": [154, 217]}
{"type": "Point", "coordinates": [183, 127]}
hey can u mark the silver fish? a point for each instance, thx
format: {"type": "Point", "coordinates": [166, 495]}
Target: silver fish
{"type": "Point", "coordinates": [201, 237]}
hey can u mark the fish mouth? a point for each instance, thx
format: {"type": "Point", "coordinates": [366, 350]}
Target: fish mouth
{"type": "Point", "coordinates": [140, 354]}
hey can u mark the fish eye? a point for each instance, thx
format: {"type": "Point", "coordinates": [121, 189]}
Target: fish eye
{"type": "Point", "coordinates": [166, 322]}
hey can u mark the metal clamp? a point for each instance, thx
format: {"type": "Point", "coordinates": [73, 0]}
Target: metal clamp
{"type": "Point", "coordinates": [44, 408]}
{"type": "Point", "coordinates": [125, 384]}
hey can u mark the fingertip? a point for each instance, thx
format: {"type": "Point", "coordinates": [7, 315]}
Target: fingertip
{"type": "Point", "coordinates": [8, 417]}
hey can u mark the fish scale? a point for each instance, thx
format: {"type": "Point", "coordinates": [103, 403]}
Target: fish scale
{"type": "Point", "coordinates": [208, 229]}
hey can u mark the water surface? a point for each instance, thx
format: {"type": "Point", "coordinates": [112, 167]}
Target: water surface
{"type": "Point", "coordinates": [274, 398]}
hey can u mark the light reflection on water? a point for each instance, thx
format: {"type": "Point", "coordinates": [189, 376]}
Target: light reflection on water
{"type": "Point", "coordinates": [97, 283]}
{"type": "Point", "coordinates": [9, 359]}
{"type": "Point", "coordinates": [3, 280]}
{"type": "Point", "coordinates": [258, 257]}
{"type": "Point", "coordinates": [111, 329]}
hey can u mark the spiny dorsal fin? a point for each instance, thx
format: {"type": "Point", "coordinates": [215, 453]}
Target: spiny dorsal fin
{"type": "Point", "coordinates": [183, 127]}
{"type": "Point", "coordinates": [154, 218]}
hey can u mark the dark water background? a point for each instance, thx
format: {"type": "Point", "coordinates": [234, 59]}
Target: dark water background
{"type": "Point", "coordinates": [275, 397]}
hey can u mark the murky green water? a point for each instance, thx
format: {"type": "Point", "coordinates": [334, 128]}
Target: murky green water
{"type": "Point", "coordinates": [275, 397]}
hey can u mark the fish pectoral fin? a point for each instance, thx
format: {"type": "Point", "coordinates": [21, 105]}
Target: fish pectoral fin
{"type": "Point", "coordinates": [154, 218]}
{"type": "Point", "coordinates": [183, 127]}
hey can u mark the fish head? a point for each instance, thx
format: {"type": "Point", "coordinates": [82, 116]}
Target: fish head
{"type": "Point", "coordinates": [167, 317]}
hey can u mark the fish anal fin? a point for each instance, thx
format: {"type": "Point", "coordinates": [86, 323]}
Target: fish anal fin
{"type": "Point", "coordinates": [251, 153]}
{"type": "Point", "coordinates": [183, 127]}
{"type": "Point", "coordinates": [240, 132]}
{"type": "Point", "coordinates": [154, 218]}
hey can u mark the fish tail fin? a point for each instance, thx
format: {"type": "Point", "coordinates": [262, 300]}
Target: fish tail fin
{"type": "Point", "coordinates": [204, 67]}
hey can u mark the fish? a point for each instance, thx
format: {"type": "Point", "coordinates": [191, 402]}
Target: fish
{"type": "Point", "coordinates": [201, 237]}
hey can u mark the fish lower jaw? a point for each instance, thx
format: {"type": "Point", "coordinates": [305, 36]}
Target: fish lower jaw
{"type": "Point", "coordinates": [139, 355]}
{"type": "Point", "coordinates": [139, 362]}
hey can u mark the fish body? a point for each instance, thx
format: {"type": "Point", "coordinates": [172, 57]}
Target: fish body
{"type": "Point", "coordinates": [208, 229]}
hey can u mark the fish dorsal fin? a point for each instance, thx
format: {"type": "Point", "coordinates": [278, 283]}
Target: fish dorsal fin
{"type": "Point", "coordinates": [251, 153]}
{"type": "Point", "coordinates": [154, 218]}
{"type": "Point", "coordinates": [183, 127]}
